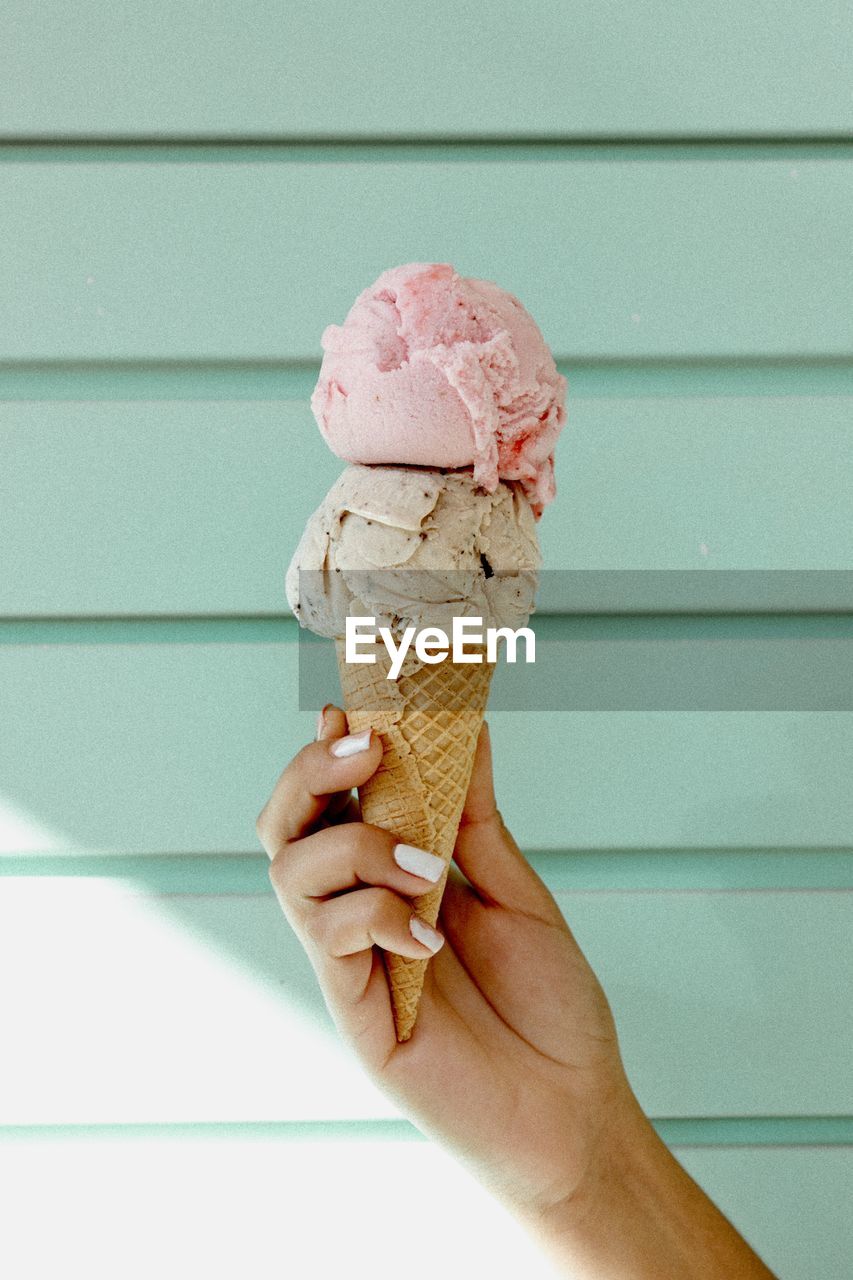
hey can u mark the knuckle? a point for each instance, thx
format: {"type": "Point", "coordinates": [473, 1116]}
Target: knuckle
{"type": "Point", "coordinates": [325, 929]}
{"type": "Point", "coordinates": [365, 840]}
{"type": "Point", "coordinates": [268, 834]}
{"type": "Point", "coordinates": [280, 871]}
{"type": "Point", "coordinates": [356, 840]}
{"type": "Point", "coordinates": [385, 908]}
{"type": "Point", "coordinates": [318, 929]}
{"type": "Point", "coordinates": [305, 760]}
{"type": "Point", "coordinates": [373, 840]}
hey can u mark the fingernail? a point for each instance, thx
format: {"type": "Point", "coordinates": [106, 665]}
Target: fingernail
{"type": "Point", "coordinates": [351, 744]}
{"type": "Point", "coordinates": [423, 932]}
{"type": "Point", "coordinates": [321, 720]}
{"type": "Point", "coordinates": [426, 865]}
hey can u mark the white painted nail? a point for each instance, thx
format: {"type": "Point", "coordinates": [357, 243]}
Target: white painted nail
{"type": "Point", "coordinates": [423, 932]}
{"type": "Point", "coordinates": [426, 865]}
{"type": "Point", "coordinates": [351, 744]}
{"type": "Point", "coordinates": [321, 720]}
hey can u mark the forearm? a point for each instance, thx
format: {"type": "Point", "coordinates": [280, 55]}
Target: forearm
{"type": "Point", "coordinates": [638, 1215]}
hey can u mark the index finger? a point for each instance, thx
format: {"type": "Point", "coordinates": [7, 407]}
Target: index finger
{"type": "Point", "coordinates": [305, 788]}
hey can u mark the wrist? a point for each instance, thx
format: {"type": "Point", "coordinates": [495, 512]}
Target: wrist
{"type": "Point", "coordinates": [637, 1215]}
{"type": "Point", "coordinates": [605, 1225]}
{"type": "Point", "coordinates": [624, 1155]}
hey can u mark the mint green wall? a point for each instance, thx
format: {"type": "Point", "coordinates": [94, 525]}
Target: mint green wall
{"type": "Point", "coordinates": [188, 195]}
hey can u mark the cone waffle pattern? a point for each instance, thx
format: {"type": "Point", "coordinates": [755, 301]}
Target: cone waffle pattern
{"type": "Point", "coordinates": [429, 720]}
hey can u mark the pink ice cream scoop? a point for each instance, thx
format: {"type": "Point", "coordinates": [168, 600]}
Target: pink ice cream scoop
{"type": "Point", "coordinates": [433, 369]}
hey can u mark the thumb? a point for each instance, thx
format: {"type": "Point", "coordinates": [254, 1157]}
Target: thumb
{"type": "Point", "coordinates": [486, 852]}
{"type": "Point", "coordinates": [480, 804]}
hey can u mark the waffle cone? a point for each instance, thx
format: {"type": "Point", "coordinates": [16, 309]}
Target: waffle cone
{"type": "Point", "coordinates": [429, 720]}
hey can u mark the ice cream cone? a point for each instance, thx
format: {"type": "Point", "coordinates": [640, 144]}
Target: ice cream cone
{"type": "Point", "coordinates": [429, 720]}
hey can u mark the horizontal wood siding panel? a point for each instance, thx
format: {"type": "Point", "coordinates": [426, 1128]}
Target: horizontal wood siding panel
{"type": "Point", "coordinates": [205, 1008]}
{"type": "Point", "coordinates": [174, 748]}
{"type": "Point", "coordinates": [718, 870]}
{"type": "Point", "coordinates": [792, 1206]}
{"type": "Point", "coordinates": [239, 1206]}
{"type": "Point", "coordinates": [317, 69]}
{"type": "Point", "coordinates": [188, 507]}
{"type": "Point", "coordinates": [614, 258]}
{"type": "Point", "coordinates": [244, 380]}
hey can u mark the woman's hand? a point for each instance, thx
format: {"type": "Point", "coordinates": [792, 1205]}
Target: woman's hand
{"type": "Point", "coordinates": [514, 1062]}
